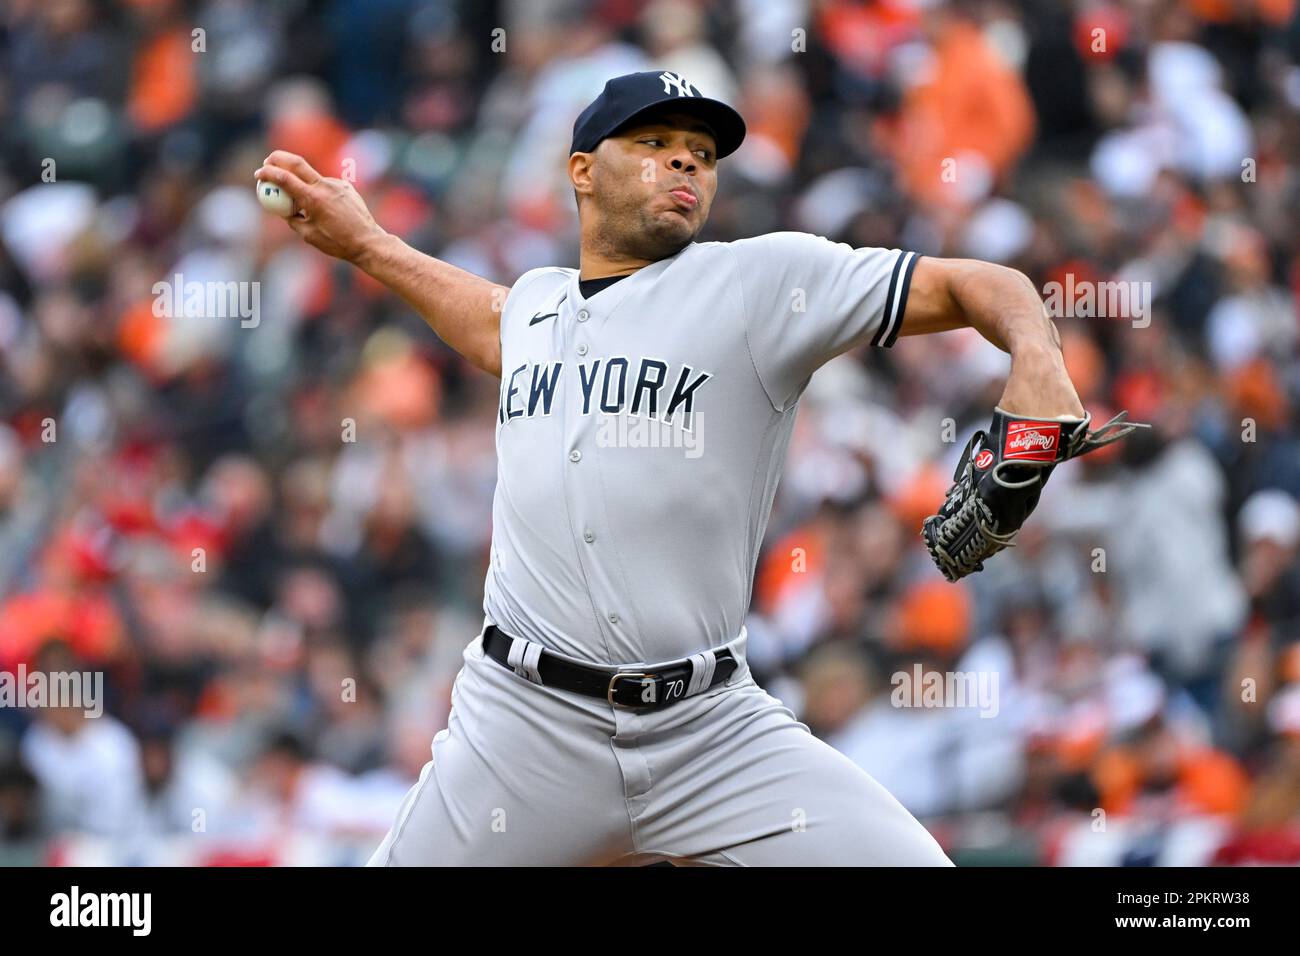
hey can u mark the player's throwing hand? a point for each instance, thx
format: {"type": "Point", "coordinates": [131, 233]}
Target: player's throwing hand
{"type": "Point", "coordinates": [330, 214]}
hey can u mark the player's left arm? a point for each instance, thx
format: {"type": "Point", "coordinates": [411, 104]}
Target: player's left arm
{"type": "Point", "coordinates": [1004, 307]}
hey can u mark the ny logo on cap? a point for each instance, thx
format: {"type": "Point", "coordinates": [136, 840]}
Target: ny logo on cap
{"type": "Point", "coordinates": [683, 86]}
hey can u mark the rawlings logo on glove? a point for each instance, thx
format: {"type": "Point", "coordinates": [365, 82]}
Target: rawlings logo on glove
{"type": "Point", "coordinates": [998, 480]}
{"type": "Point", "coordinates": [1032, 441]}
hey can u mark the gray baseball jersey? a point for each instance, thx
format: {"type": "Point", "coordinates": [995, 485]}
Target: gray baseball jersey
{"type": "Point", "coordinates": [641, 434]}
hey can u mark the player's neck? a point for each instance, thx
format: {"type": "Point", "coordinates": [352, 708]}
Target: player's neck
{"type": "Point", "coordinates": [602, 255]}
{"type": "Point", "coordinates": [594, 264]}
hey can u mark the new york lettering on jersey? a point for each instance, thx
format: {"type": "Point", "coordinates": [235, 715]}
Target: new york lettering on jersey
{"type": "Point", "coordinates": [611, 386]}
{"type": "Point", "coordinates": [617, 545]}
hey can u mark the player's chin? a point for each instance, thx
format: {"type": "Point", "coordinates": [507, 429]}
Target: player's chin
{"type": "Point", "coordinates": [675, 226]}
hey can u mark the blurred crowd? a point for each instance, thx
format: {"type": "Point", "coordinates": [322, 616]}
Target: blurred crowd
{"type": "Point", "coordinates": [270, 536]}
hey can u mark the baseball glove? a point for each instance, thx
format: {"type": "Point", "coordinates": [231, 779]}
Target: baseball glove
{"type": "Point", "coordinates": [998, 480]}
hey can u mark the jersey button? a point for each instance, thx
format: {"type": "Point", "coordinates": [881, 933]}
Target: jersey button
{"type": "Point", "coordinates": [613, 618]}
{"type": "Point", "coordinates": [582, 348]}
{"type": "Point", "coordinates": [575, 455]}
{"type": "Point", "coordinates": [588, 536]}
{"type": "Point", "coordinates": [583, 315]}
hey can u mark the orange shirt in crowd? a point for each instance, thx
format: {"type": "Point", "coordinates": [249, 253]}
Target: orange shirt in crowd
{"type": "Point", "coordinates": [1276, 12]}
{"type": "Point", "coordinates": [1207, 780]}
{"type": "Point", "coordinates": [791, 563]}
{"type": "Point", "coordinates": [164, 86]}
{"type": "Point", "coordinates": [973, 103]}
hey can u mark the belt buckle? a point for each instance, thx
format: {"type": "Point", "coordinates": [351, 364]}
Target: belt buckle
{"type": "Point", "coordinates": [613, 685]}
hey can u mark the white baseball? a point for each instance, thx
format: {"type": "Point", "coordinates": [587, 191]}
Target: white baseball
{"type": "Point", "coordinates": [274, 199]}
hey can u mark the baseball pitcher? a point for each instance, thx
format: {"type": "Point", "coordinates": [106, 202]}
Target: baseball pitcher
{"type": "Point", "coordinates": [605, 713]}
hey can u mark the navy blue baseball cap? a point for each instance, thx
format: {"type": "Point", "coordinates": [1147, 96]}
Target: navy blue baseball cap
{"type": "Point", "coordinates": [637, 96]}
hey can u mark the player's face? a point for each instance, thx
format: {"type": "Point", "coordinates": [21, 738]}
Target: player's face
{"type": "Point", "coordinates": [653, 185]}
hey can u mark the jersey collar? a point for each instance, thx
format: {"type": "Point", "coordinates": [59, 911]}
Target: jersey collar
{"type": "Point", "coordinates": [612, 297]}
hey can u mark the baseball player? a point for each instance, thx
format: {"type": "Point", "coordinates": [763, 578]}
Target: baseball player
{"type": "Point", "coordinates": [605, 713]}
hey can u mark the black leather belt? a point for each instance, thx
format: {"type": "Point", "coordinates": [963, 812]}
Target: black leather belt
{"type": "Point", "coordinates": [635, 690]}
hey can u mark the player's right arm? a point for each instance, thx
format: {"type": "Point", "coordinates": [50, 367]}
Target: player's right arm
{"type": "Point", "coordinates": [462, 308]}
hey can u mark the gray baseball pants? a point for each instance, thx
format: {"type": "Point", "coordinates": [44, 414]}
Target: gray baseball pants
{"type": "Point", "coordinates": [530, 775]}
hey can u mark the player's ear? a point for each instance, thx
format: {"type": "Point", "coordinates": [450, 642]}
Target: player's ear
{"type": "Point", "coordinates": [580, 166]}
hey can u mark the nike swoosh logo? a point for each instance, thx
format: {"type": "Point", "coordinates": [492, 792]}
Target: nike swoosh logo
{"type": "Point", "coordinates": [539, 317]}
